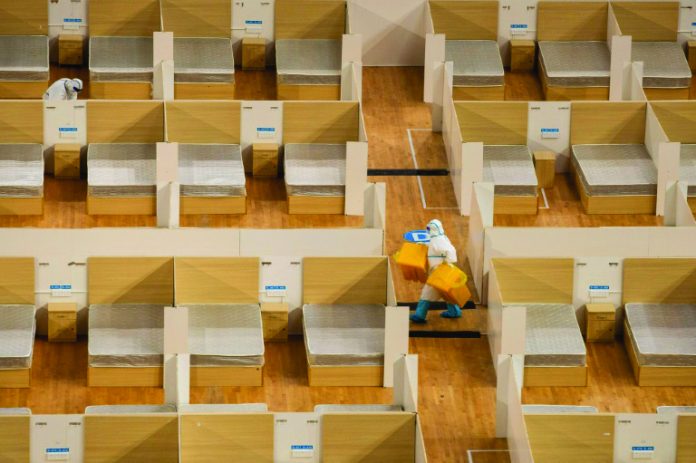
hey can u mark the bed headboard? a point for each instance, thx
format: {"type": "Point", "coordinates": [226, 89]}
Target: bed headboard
{"type": "Point", "coordinates": [541, 280]}
{"type": "Point", "coordinates": [250, 437]}
{"type": "Point", "coordinates": [21, 121]}
{"type": "Point", "coordinates": [24, 17]}
{"type": "Point", "coordinates": [130, 280]}
{"type": "Point", "coordinates": [572, 21]}
{"type": "Point", "coordinates": [648, 21]}
{"type": "Point", "coordinates": [344, 280]}
{"type": "Point", "coordinates": [465, 19]}
{"type": "Point", "coordinates": [571, 437]}
{"type": "Point", "coordinates": [493, 122]}
{"type": "Point", "coordinates": [125, 121]}
{"type": "Point", "coordinates": [18, 280]}
{"type": "Point", "coordinates": [677, 118]}
{"type": "Point", "coordinates": [217, 280]}
{"type": "Point", "coordinates": [14, 437]}
{"type": "Point", "coordinates": [130, 18]}
{"type": "Point", "coordinates": [146, 437]}
{"type": "Point", "coordinates": [310, 19]}
{"type": "Point", "coordinates": [656, 280]}
{"type": "Point", "coordinates": [197, 18]}
{"type": "Point", "coordinates": [321, 121]}
{"type": "Point", "coordinates": [604, 122]}
{"type": "Point", "coordinates": [368, 437]}
{"type": "Point", "coordinates": [204, 122]}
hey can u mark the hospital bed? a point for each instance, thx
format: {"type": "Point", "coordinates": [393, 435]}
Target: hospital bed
{"type": "Point", "coordinates": [24, 66]}
{"type": "Point", "coordinates": [511, 169]}
{"type": "Point", "coordinates": [21, 179]}
{"type": "Point", "coordinates": [203, 68]}
{"type": "Point", "coordinates": [121, 67]}
{"type": "Point", "coordinates": [315, 178]}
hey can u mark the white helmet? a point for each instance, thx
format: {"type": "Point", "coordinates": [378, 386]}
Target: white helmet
{"type": "Point", "coordinates": [73, 85]}
{"type": "Point", "coordinates": [435, 228]}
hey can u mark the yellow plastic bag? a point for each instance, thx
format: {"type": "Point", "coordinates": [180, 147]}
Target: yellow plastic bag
{"type": "Point", "coordinates": [450, 282]}
{"type": "Point", "coordinates": [412, 259]}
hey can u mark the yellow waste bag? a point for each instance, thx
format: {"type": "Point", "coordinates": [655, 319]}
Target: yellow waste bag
{"type": "Point", "coordinates": [450, 282]}
{"type": "Point", "coordinates": [412, 258]}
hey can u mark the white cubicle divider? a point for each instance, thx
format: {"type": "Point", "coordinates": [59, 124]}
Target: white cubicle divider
{"type": "Point", "coordinates": [63, 122]}
{"type": "Point", "coordinates": [168, 185]}
{"type": "Point", "coordinates": [683, 215]}
{"type": "Point", "coordinates": [262, 122]}
{"type": "Point", "coordinates": [620, 68]}
{"type": "Point", "coordinates": [375, 205]}
{"type": "Point", "coordinates": [406, 382]}
{"type": "Point", "coordinates": [517, 437]}
{"type": "Point", "coordinates": [351, 67]}
{"type": "Point", "coordinates": [667, 172]}
{"type": "Point", "coordinates": [516, 20]}
{"type": "Point", "coordinates": [396, 335]}
{"type": "Point", "coordinates": [548, 129]}
{"type": "Point", "coordinates": [57, 436]}
{"type": "Point", "coordinates": [480, 218]}
{"type": "Point", "coordinates": [636, 91]}
{"type": "Point", "coordinates": [356, 178]}
{"type": "Point", "coordinates": [433, 79]}
{"type": "Point", "coordinates": [163, 66]}
{"type": "Point", "coordinates": [471, 172]}
{"type": "Point", "coordinates": [177, 360]}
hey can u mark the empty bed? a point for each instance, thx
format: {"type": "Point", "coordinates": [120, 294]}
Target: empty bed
{"type": "Point", "coordinates": [564, 66]}
{"type": "Point", "coordinates": [315, 178]}
{"type": "Point", "coordinates": [203, 68]}
{"type": "Point", "coordinates": [226, 335]}
{"type": "Point", "coordinates": [664, 67]}
{"type": "Point", "coordinates": [121, 178]}
{"type": "Point", "coordinates": [511, 169]}
{"type": "Point", "coordinates": [17, 330]}
{"type": "Point", "coordinates": [114, 61]}
{"type": "Point", "coordinates": [615, 179]}
{"type": "Point", "coordinates": [212, 179]}
{"type": "Point", "coordinates": [554, 348]}
{"type": "Point", "coordinates": [21, 178]}
{"type": "Point", "coordinates": [308, 68]}
{"type": "Point", "coordinates": [24, 58]}
{"type": "Point", "coordinates": [478, 69]}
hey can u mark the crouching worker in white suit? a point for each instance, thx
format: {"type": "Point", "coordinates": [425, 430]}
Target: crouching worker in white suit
{"type": "Point", "coordinates": [440, 250]}
{"type": "Point", "coordinates": [63, 90]}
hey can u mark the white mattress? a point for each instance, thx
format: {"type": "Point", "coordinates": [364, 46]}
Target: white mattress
{"type": "Point", "coordinates": [15, 411]}
{"type": "Point", "coordinates": [203, 59]}
{"type": "Point", "coordinates": [687, 169]}
{"type": "Point", "coordinates": [122, 169]}
{"type": "Point", "coordinates": [664, 64]}
{"type": "Point", "coordinates": [315, 169]}
{"type": "Point", "coordinates": [17, 330]}
{"type": "Point", "coordinates": [308, 61]}
{"type": "Point", "coordinates": [344, 334]}
{"type": "Point", "coordinates": [225, 335]}
{"type": "Point", "coordinates": [553, 337]}
{"type": "Point", "coordinates": [575, 64]}
{"type": "Point", "coordinates": [607, 170]}
{"type": "Point", "coordinates": [128, 409]}
{"type": "Point", "coordinates": [211, 170]}
{"type": "Point", "coordinates": [224, 408]}
{"type": "Point", "coordinates": [24, 58]}
{"type": "Point", "coordinates": [120, 59]}
{"type": "Point", "coordinates": [676, 410]}
{"type": "Point", "coordinates": [663, 334]}
{"type": "Point", "coordinates": [21, 170]}
{"type": "Point", "coordinates": [323, 409]}
{"type": "Point", "coordinates": [511, 169]}
{"type": "Point", "coordinates": [555, 409]}
{"type": "Point", "coordinates": [477, 63]}
{"type": "Point", "coordinates": [126, 335]}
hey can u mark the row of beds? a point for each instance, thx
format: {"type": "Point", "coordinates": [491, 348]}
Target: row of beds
{"type": "Point", "coordinates": [661, 335]}
{"type": "Point", "coordinates": [132, 335]}
{"type": "Point", "coordinates": [205, 170]}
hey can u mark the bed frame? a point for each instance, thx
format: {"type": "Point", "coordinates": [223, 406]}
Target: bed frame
{"type": "Point", "coordinates": [219, 280]}
{"type": "Point", "coordinates": [309, 19]}
{"type": "Point", "coordinates": [571, 21]}
{"type": "Point", "coordinates": [129, 280]}
{"type": "Point", "coordinates": [518, 205]}
{"type": "Point", "coordinates": [468, 20]}
{"type": "Point", "coordinates": [345, 280]}
{"type": "Point", "coordinates": [667, 281]}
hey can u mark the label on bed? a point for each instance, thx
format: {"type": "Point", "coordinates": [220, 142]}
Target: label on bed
{"type": "Point", "coordinates": [265, 132]}
{"type": "Point", "coordinates": [302, 451]}
{"type": "Point", "coordinates": [72, 24]}
{"type": "Point", "coordinates": [276, 290]}
{"type": "Point", "coordinates": [519, 29]}
{"type": "Point", "coordinates": [67, 132]}
{"type": "Point", "coordinates": [61, 290]}
{"type": "Point", "coordinates": [550, 133]}
{"type": "Point", "coordinates": [58, 454]}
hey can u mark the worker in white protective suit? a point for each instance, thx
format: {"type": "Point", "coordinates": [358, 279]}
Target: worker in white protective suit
{"type": "Point", "coordinates": [63, 90]}
{"type": "Point", "coordinates": [440, 250]}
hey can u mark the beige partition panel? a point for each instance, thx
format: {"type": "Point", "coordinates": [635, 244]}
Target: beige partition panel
{"type": "Point", "coordinates": [320, 121]}
{"type": "Point", "coordinates": [465, 20]}
{"type": "Point", "coordinates": [134, 18]}
{"type": "Point", "coordinates": [241, 438]}
{"type": "Point", "coordinates": [572, 20]}
{"type": "Point", "coordinates": [310, 19]}
{"type": "Point", "coordinates": [368, 438]}
{"type": "Point", "coordinates": [665, 281]}
{"type": "Point", "coordinates": [131, 438]}
{"type": "Point", "coordinates": [535, 280]}
{"type": "Point", "coordinates": [21, 121]}
{"type": "Point", "coordinates": [204, 122]}
{"type": "Point", "coordinates": [686, 443]}
{"type": "Point", "coordinates": [197, 18]}
{"type": "Point", "coordinates": [493, 122]}
{"type": "Point", "coordinates": [130, 280]}
{"type": "Point", "coordinates": [217, 280]}
{"type": "Point", "coordinates": [600, 122]}
{"type": "Point", "coordinates": [648, 21]}
{"type": "Point", "coordinates": [125, 121]}
{"type": "Point", "coordinates": [678, 119]}
{"type": "Point", "coordinates": [18, 281]}
{"type": "Point", "coordinates": [15, 439]}
{"type": "Point", "coordinates": [571, 438]}
{"type": "Point", "coordinates": [24, 17]}
{"type": "Point", "coordinates": [345, 280]}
